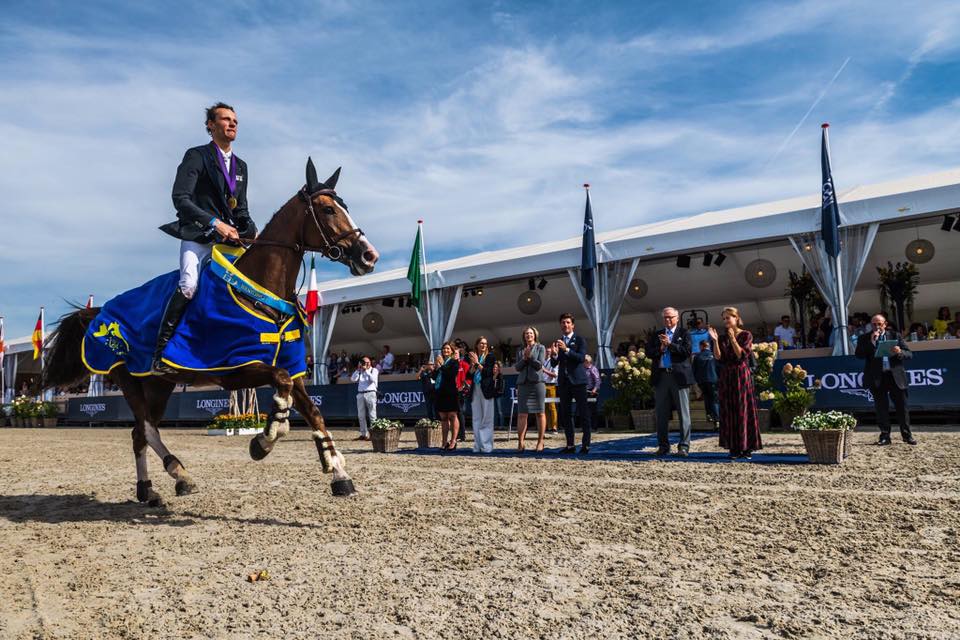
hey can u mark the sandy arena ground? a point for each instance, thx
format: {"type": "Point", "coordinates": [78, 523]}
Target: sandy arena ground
{"type": "Point", "coordinates": [467, 546]}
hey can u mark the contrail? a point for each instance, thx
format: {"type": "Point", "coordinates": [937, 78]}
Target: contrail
{"type": "Point", "coordinates": [784, 144]}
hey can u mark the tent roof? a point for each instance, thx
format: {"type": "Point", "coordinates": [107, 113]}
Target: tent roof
{"type": "Point", "coordinates": [895, 200]}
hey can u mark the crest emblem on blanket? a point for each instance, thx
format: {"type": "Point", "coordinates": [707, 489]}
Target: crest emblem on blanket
{"type": "Point", "coordinates": [111, 336]}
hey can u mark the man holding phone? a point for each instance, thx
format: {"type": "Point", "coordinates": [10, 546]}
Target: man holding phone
{"type": "Point", "coordinates": [366, 376]}
{"type": "Point", "coordinates": [885, 378]}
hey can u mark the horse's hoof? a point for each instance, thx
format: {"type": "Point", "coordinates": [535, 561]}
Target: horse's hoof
{"type": "Point", "coordinates": [342, 488]}
{"type": "Point", "coordinates": [154, 500]}
{"type": "Point", "coordinates": [185, 487]}
{"type": "Point", "coordinates": [257, 452]}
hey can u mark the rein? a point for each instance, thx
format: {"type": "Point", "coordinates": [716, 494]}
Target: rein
{"type": "Point", "coordinates": [331, 249]}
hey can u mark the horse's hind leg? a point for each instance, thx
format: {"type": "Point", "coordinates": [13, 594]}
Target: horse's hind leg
{"type": "Point", "coordinates": [157, 392]}
{"type": "Point", "coordinates": [330, 458]}
{"type": "Point", "coordinates": [133, 392]}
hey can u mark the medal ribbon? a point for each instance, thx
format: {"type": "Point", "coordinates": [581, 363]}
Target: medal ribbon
{"type": "Point", "coordinates": [229, 176]}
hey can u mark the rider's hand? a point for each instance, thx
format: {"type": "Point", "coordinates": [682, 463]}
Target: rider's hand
{"type": "Point", "coordinates": [226, 231]}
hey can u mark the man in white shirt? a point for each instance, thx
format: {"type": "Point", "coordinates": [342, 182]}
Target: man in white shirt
{"type": "Point", "coordinates": [785, 333]}
{"type": "Point", "coordinates": [386, 362]}
{"type": "Point", "coordinates": [366, 377]}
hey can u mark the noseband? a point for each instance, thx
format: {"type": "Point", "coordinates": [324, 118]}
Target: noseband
{"type": "Point", "coordinates": [332, 248]}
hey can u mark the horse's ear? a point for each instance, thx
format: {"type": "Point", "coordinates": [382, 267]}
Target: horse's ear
{"type": "Point", "coordinates": [332, 180]}
{"type": "Point", "coordinates": [312, 183]}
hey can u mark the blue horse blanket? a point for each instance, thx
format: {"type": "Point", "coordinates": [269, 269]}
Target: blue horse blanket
{"type": "Point", "coordinates": [216, 333]}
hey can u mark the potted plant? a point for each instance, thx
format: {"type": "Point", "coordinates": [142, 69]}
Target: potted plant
{"type": "Point", "coordinates": [794, 399]}
{"type": "Point", "coordinates": [385, 435]}
{"type": "Point", "coordinates": [764, 353]}
{"type": "Point", "coordinates": [48, 414]}
{"type": "Point", "coordinates": [33, 414]}
{"type": "Point", "coordinates": [631, 382]}
{"type": "Point", "coordinates": [428, 434]}
{"type": "Point", "coordinates": [804, 296]}
{"type": "Point", "coordinates": [825, 435]}
{"type": "Point", "coordinates": [898, 284]}
{"type": "Point", "coordinates": [244, 424]}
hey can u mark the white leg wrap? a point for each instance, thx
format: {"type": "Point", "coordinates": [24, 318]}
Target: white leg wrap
{"type": "Point", "coordinates": [279, 425]}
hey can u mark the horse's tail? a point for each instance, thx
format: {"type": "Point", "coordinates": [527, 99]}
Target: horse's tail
{"type": "Point", "coordinates": [63, 365]}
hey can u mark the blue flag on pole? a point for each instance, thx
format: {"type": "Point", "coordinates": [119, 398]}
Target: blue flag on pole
{"type": "Point", "coordinates": [588, 251]}
{"type": "Point", "coordinates": [829, 210]}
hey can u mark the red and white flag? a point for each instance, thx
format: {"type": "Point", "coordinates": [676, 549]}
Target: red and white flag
{"type": "Point", "coordinates": [3, 346]}
{"type": "Point", "coordinates": [90, 302]}
{"type": "Point", "coordinates": [313, 295]}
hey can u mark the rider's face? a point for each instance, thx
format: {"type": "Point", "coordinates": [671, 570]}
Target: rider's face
{"type": "Point", "coordinates": [223, 127]}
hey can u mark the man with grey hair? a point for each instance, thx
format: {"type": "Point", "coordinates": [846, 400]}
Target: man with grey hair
{"type": "Point", "coordinates": [672, 376]}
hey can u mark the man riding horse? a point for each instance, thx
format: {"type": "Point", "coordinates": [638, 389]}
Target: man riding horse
{"type": "Point", "coordinates": [210, 195]}
{"type": "Point", "coordinates": [244, 328]}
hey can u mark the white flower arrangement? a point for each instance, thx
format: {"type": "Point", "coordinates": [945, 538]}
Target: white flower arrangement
{"type": "Point", "coordinates": [427, 423]}
{"type": "Point", "coordinates": [384, 424]}
{"type": "Point", "coordinates": [825, 421]}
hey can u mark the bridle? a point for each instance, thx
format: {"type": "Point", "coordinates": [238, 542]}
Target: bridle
{"type": "Point", "coordinates": [332, 248]}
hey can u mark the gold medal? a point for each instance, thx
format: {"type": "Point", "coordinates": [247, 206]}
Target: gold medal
{"type": "Point", "coordinates": [232, 202]}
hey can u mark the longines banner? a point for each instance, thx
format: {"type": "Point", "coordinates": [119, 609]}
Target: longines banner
{"type": "Point", "coordinates": [934, 378]}
{"type": "Point", "coordinates": [403, 400]}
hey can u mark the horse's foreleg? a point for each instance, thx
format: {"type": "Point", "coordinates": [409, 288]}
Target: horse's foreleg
{"type": "Point", "coordinates": [278, 424]}
{"type": "Point", "coordinates": [330, 459]}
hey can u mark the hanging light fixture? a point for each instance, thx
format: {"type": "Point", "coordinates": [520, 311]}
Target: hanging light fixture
{"type": "Point", "coordinates": [760, 273]}
{"type": "Point", "coordinates": [529, 302]}
{"type": "Point", "coordinates": [920, 251]}
{"type": "Point", "coordinates": [372, 322]}
{"type": "Point", "coordinates": [721, 256]}
{"type": "Point", "coordinates": [638, 289]}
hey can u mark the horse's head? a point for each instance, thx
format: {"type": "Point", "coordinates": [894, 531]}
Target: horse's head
{"type": "Point", "coordinates": [328, 227]}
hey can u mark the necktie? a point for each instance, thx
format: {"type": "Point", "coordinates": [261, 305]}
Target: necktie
{"type": "Point", "coordinates": [665, 361]}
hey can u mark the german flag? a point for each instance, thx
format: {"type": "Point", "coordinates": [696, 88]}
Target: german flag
{"type": "Point", "coordinates": [38, 337]}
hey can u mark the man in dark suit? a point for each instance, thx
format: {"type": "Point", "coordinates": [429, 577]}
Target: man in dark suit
{"type": "Point", "coordinates": [571, 383]}
{"type": "Point", "coordinates": [672, 376]}
{"type": "Point", "coordinates": [210, 195]}
{"type": "Point", "coordinates": [885, 378]}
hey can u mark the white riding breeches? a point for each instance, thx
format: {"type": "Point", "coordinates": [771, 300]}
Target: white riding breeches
{"type": "Point", "coordinates": [192, 255]}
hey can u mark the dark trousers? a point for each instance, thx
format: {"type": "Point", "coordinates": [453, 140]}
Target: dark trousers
{"type": "Point", "coordinates": [462, 418]}
{"type": "Point", "coordinates": [881, 402]}
{"type": "Point", "coordinates": [568, 393]}
{"type": "Point", "coordinates": [431, 403]}
{"type": "Point", "coordinates": [711, 401]}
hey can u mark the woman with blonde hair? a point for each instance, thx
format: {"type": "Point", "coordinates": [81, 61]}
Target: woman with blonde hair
{"type": "Point", "coordinates": [531, 391]}
{"type": "Point", "coordinates": [447, 401]}
{"type": "Point", "coordinates": [739, 426]}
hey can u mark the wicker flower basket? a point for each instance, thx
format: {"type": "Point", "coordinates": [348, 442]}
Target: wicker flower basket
{"type": "Point", "coordinates": [847, 443]}
{"type": "Point", "coordinates": [763, 418]}
{"type": "Point", "coordinates": [429, 437]}
{"type": "Point", "coordinates": [385, 440]}
{"type": "Point", "coordinates": [824, 447]}
{"type": "Point", "coordinates": [49, 423]}
{"type": "Point", "coordinates": [643, 419]}
{"type": "Point", "coordinates": [618, 422]}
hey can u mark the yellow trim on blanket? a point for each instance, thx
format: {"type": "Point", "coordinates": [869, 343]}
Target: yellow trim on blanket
{"type": "Point", "coordinates": [216, 254]}
{"type": "Point", "coordinates": [83, 357]}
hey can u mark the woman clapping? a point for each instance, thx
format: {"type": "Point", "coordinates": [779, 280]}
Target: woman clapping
{"type": "Point", "coordinates": [739, 426]}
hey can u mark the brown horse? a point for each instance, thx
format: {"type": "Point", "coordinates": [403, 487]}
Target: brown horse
{"type": "Point", "coordinates": [315, 219]}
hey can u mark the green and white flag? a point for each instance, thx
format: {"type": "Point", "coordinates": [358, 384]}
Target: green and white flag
{"type": "Point", "coordinates": [415, 272]}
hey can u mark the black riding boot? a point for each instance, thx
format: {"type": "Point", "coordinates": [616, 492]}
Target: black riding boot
{"type": "Point", "coordinates": [171, 318]}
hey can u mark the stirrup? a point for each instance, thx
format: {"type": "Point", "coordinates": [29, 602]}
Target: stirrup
{"type": "Point", "coordinates": [161, 368]}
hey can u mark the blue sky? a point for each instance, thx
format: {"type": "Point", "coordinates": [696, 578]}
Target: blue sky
{"type": "Point", "coordinates": [483, 118]}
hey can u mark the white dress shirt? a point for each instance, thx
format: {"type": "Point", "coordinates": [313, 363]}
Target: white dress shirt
{"type": "Point", "coordinates": [366, 379]}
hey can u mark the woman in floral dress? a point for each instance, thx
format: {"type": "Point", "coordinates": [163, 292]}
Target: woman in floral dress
{"type": "Point", "coordinates": [739, 426]}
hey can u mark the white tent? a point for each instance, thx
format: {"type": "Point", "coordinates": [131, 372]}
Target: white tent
{"type": "Point", "coordinates": [902, 208]}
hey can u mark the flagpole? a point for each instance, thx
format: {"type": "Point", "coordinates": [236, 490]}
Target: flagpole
{"type": "Point", "coordinates": [426, 287]}
{"type": "Point", "coordinates": [3, 377]}
{"type": "Point", "coordinates": [43, 337]}
{"type": "Point", "coordinates": [315, 376]}
{"type": "Point", "coordinates": [841, 329]}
